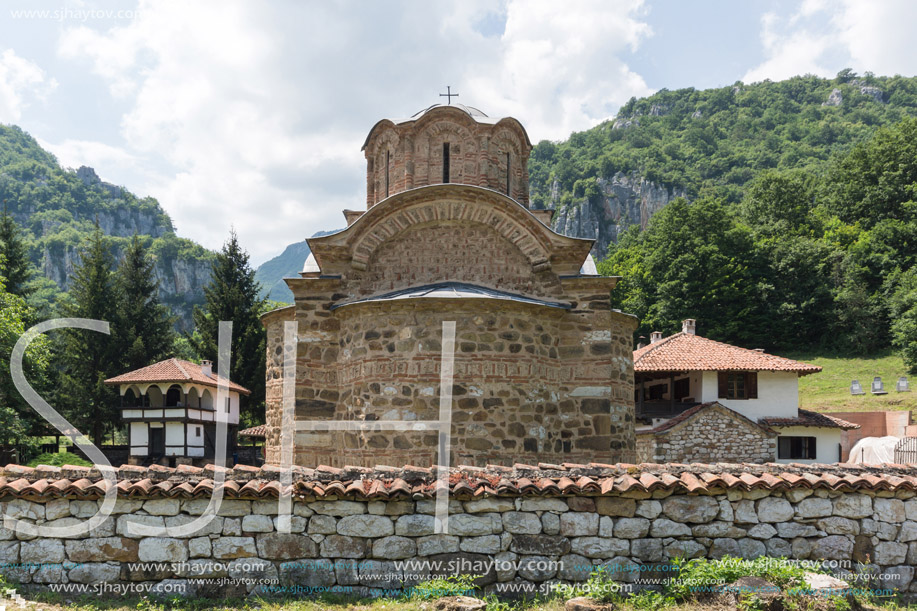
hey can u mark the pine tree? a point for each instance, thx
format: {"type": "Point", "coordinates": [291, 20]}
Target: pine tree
{"type": "Point", "coordinates": [14, 264]}
{"type": "Point", "coordinates": [90, 357]}
{"type": "Point", "coordinates": [232, 295]}
{"type": "Point", "coordinates": [143, 332]}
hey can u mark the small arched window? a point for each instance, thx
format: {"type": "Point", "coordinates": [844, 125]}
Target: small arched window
{"type": "Point", "coordinates": [445, 162]}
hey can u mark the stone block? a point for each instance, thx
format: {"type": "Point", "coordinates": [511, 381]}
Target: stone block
{"type": "Point", "coordinates": [338, 508]}
{"type": "Point", "coordinates": [662, 527]}
{"type": "Point", "coordinates": [437, 544]}
{"type": "Point", "coordinates": [486, 544]}
{"type": "Point", "coordinates": [889, 510]}
{"type": "Point", "coordinates": [162, 507]}
{"type": "Point", "coordinates": [833, 547]}
{"type": "Point", "coordinates": [550, 523]}
{"type": "Point", "coordinates": [839, 526]}
{"type": "Point", "coordinates": [230, 548]}
{"type": "Point", "coordinates": [537, 568]}
{"type": "Point", "coordinates": [42, 551]}
{"type": "Point", "coordinates": [694, 509]}
{"type": "Point", "coordinates": [540, 545]}
{"type": "Point", "coordinates": [615, 506]}
{"type": "Point", "coordinates": [490, 504]}
{"type": "Point", "coordinates": [104, 549]}
{"type": "Point", "coordinates": [162, 549]}
{"type": "Point", "coordinates": [814, 507]}
{"type": "Point", "coordinates": [415, 525]}
{"type": "Point", "coordinates": [365, 525]}
{"type": "Point", "coordinates": [94, 572]}
{"type": "Point", "coordinates": [285, 546]}
{"type": "Point", "coordinates": [648, 509]}
{"type": "Point", "coordinates": [773, 509]}
{"type": "Point", "coordinates": [397, 547]}
{"type": "Point", "coordinates": [521, 523]}
{"type": "Point", "coordinates": [338, 546]}
{"type": "Point", "coordinates": [257, 523]}
{"type": "Point", "coordinates": [199, 547]}
{"type": "Point", "coordinates": [890, 553]}
{"type": "Point", "coordinates": [853, 506]}
{"type": "Point", "coordinates": [600, 547]}
{"type": "Point", "coordinates": [545, 504]}
{"type": "Point", "coordinates": [577, 524]}
{"type": "Point", "coordinates": [646, 550]}
{"type": "Point", "coordinates": [630, 528]}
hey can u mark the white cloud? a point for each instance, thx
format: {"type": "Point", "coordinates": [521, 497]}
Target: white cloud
{"type": "Point", "coordinates": [823, 38]}
{"type": "Point", "coordinates": [20, 82]}
{"type": "Point", "coordinates": [253, 114]}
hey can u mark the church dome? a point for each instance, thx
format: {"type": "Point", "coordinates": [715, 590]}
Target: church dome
{"type": "Point", "coordinates": [447, 143]}
{"type": "Point", "coordinates": [471, 111]}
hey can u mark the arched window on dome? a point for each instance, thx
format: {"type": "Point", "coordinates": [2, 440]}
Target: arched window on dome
{"type": "Point", "coordinates": [445, 162]}
{"type": "Point", "coordinates": [508, 174]}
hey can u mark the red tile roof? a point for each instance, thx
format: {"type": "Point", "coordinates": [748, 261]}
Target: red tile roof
{"type": "Point", "coordinates": [384, 483]}
{"type": "Point", "coordinates": [255, 431]}
{"type": "Point", "coordinates": [688, 352]}
{"type": "Point", "coordinates": [808, 418]}
{"type": "Point", "coordinates": [172, 370]}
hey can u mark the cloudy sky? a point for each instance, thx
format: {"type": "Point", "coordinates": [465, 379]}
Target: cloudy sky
{"type": "Point", "coordinates": [252, 114]}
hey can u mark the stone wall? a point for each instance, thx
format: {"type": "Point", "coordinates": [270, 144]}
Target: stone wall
{"type": "Point", "coordinates": [530, 384]}
{"type": "Point", "coordinates": [524, 537]}
{"type": "Point", "coordinates": [714, 433]}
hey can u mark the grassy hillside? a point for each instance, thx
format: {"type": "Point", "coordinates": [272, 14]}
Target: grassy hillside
{"type": "Point", "coordinates": [829, 390]}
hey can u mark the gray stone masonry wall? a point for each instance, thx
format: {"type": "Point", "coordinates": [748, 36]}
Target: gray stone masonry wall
{"type": "Point", "coordinates": [364, 545]}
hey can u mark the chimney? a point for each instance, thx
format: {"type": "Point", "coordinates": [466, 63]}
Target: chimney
{"type": "Point", "coordinates": [759, 349]}
{"type": "Point", "coordinates": [641, 342]}
{"type": "Point", "coordinates": [655, 336]}
{"type": "Point", "coordinates": [687, 326]}
{"type": "Point", "coordinates": [207, 368]}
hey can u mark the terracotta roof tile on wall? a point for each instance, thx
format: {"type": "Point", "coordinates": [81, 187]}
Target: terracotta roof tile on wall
{"type": "Point", "coordinates": [809, 418]}
{"type": "Point", "coordinates": [171, 370]}
{"type": "Point", "coordinates": [384, 483]}
{"type": "Point", "coordinates": [688, 352]}
{"type": "Point", "coordinates": [255, 431]}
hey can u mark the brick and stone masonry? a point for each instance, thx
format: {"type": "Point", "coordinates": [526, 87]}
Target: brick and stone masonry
{"type": "Point", "coordinates": [543, 364]}
{"type": "Point", "coordinates": [357, 528]}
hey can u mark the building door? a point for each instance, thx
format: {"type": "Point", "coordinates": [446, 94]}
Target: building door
{"type": "Point", "coordinates": [157, 442]}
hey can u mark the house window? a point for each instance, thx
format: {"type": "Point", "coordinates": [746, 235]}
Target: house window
{"type": "Point", "coordinates": [197, 431]}
{"type": "Point", "coordinates": [227, 405]}
{"type": "Point", "coordinates": [737, 385]}
{"type": "Point", "coordinates": [445, 162]}
{"type": "Point", "coordinates": [796, 448]}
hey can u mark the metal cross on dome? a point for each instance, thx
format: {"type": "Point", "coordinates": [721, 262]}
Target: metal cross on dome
{"type": "Point", "coordinates": [448, 95]}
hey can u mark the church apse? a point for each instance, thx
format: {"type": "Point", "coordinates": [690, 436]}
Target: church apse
{"type": "Point", "coordinates": [543, 367]}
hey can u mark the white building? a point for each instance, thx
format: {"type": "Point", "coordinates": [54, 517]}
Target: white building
{"type": "Point", "coordinates": [172, 410]}
{"type": "Point", "coordinates": [677, 376]}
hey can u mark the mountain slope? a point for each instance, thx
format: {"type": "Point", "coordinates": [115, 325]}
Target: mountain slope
{"type": "Point", "coordinates": [692, 143]}
{"type": "Point", "coordinates": [57, 207]}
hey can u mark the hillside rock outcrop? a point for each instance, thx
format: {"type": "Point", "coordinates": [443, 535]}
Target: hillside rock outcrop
{"type": "Point", "coordinates": [626, 199]}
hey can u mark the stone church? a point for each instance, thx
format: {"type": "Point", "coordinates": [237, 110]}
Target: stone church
{"type": "Point", "coordinates": [543, 366]}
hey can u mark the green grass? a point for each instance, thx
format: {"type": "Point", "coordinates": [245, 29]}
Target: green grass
{"type": "Point", "coordinates": [829, 390]}
{"type": "Point", "coordinates": [59, 459]}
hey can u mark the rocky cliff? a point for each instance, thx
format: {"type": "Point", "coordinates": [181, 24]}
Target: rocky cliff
{"type": "Point", "coordinates": [624, 200]}
{"type": "Point", "coordinates": [57, 208]}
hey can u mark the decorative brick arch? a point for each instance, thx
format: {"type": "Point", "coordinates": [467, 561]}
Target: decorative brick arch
{"type": "Point", "coordinates": [442, 203]}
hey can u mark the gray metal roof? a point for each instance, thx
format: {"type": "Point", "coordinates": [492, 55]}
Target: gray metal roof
{"type": "Point", "coordinates": [454, 290]}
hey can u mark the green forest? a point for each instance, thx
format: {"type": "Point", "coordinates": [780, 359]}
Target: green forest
{"type": "Point", "coordinates": [798, 231]}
